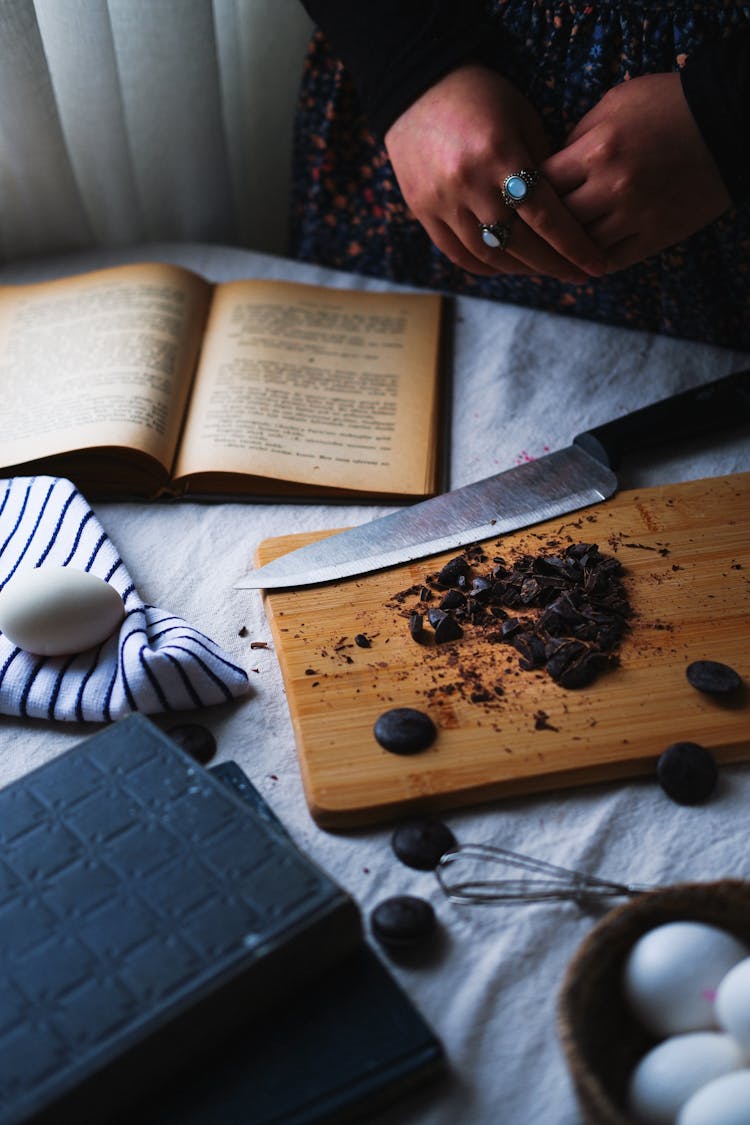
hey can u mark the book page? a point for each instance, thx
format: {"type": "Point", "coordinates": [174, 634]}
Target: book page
{"type": "Point", "coordinates": [101, 359]}
{"type": "Point", "coordinates": [327, 387]}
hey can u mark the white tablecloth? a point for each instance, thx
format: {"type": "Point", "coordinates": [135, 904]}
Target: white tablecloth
{"type": "Point", "coordinates": [524, 382]}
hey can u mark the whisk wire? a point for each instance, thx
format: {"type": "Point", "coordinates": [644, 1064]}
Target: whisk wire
{"type": "Point", "coordinates": [548, 882]}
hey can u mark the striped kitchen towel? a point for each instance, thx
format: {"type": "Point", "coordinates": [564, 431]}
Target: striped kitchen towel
{"type": "Point", "coordinates": [155, 662]}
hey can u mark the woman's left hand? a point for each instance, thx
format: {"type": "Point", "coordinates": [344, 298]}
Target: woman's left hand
{"type": "Point", "coordinates": [636, 172]}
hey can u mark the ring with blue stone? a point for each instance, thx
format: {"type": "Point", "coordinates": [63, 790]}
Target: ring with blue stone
{"type": "Point", "coordinates": [495, 235]}
{"type": "Point", "coordinates": [516, 187]}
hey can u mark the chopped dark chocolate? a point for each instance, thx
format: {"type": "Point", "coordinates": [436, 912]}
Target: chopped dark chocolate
{"type": "Point", "coordinates": [454, 572]}
{"type": "Point", "coordinates": [687, 773]}
{"type": "Point", "coordinates": [481, 589]}
{"type": "Point", "coordinates": [362, 640]}
{"type": "Point", "coordinates": [713, 677]}
{"type": "Point", "coordinates": [405, 730]}
{"type": "Point", "coordinates": [448, 630]}
{"type": "Point", "coordinates": [573, 595]}
{"type": "Point", "coordinates": [416, 622]}
{"type": "Point", "coordinates": [532, 650]}
{"type": "Point", "coordinates": [454, 599]}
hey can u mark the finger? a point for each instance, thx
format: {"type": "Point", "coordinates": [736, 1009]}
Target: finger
{"type": "Point", "coordinates": [609, 231]}
{"type": "Point", "coordinates": [455, 249]}
{"type": "Point", "coordinates": [545, 213]}
{"type": "Point", "coordinates": [532, 254]}
{"type": "Point", "coordinates": [588, 122]}
{"type": "Point", "coordinates": [469, 229]}
{"type": "Point", "coordinates": [540, 258]}
{"type": "Point", "coordinates": [565, 171]}
{"type": "Point", "coordinates": [529, 254]}
{"type": "Point", "coordinates": [587, 205]}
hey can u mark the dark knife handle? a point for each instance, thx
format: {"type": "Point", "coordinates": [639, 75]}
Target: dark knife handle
{"type": "Point", "coordinates": [725, 402]}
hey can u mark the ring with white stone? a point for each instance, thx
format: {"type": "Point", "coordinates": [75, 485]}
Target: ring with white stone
{"type": "Point", "coordinates": [515, 188]}
{"type": "Point", "coordinates": [495, 235]}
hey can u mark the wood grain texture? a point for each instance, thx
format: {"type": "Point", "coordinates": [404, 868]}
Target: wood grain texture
{"type": "Point", "coordinates": [685, 550]}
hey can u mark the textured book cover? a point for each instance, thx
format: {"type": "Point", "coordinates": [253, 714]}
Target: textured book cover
{"type": "Point", "coordinates": [145, 909]}
{"type": "Point", "coordinates": [342, 1046]}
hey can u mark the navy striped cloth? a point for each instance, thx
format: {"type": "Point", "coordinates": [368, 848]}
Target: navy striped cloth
{"type": "Point", "coordinates": [156, 662]}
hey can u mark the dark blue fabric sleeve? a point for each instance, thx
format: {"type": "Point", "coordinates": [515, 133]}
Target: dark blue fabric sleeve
{"type": "Point", "coordinates": [716, 84]}
{"type": "Point", "coordinates": [394, 50]}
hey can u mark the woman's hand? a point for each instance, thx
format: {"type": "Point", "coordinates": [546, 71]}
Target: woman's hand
{"type": "Point", "coordinates": [636, 171]}
{"type": "Point", "coordinates": [452, 149]}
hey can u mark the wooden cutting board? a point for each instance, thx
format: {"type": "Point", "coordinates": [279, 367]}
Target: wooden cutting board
{"type": "Point", "coordinates": [685, 550]}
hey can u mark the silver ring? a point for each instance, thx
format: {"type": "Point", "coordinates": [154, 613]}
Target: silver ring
{"type": "Point", "coordinates": [495, 235]}
{"type": "Point", "coordinates": [515, 187]}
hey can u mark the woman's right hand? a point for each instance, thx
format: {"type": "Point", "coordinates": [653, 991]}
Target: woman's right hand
{"type": "Point", "coordinates": [452, 149]}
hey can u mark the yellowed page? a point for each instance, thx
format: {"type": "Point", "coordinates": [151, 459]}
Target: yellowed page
{"type": "Point", "coordinates": [328, 387]}
{"type": "Point", "coordinates": [102, 359]}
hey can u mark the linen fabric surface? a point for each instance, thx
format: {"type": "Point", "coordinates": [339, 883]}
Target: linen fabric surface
{"type": "Point", "coordinates": [153, 662]}
{"type": "Point", "coordinates": [348, 211]}
{"type": "Point", "coordinates": [522, 381]}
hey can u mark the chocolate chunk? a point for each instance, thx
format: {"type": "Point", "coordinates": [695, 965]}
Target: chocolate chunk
{"type": "Point", "coordinates": [713, 677]}
{"type": "Point", "coordinates": [362, 640]}
{"type": "Point", "coordinates": [416, 626]}
{"type": "Point", "coordinates": [446, 627]}
{"type": "Point", "coordinates": [404, 730]}
{"type": "Point", "coordinates": [481, 589]}
{"type": "Point", "coordinates": [454, 599]}
{"type": "Point", "coordinates": [510, 627]}
{"type": "Point", "coordinates": [448, 630]}
{"type": "Point", "coordinates": [531, 649]}
{"type": "Point", "coordinates": [687, 773]}
{"type": "Point", "coordinates": [456, 572]}
{"type": "Point", "coordinates": [403, 922]}
{"type": "Point", "coordinates": [574, 597]}
{"type": "Point", "coordinates": [421, 843]}
{"type": "Point", "coordinates": [197, 741]}
{"type": "Point", "coordinates": [580, 673]}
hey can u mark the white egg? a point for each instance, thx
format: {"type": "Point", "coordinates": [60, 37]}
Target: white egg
{"type": "Point", "coordinates": [725, 1101]}
{"type": "Point", "coordinates": [55, 611]}
{"type": "Point", "coordinates": [733, 1003]}
{"type": "Point", "coordinates": [671, 1072]}
{"type": "Point", "coordinates": [672, 974]}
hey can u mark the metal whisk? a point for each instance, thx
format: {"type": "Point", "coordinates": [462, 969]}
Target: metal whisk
{"type": "Point", "coordinates": [546, 882]}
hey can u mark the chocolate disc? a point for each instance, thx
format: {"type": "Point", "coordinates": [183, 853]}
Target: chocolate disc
{"type": "Point", "coordinates": [403, 922]}
{"type": "Point", "coordinates": [713, 677]}
{"type": "Point", "coordinates": [404, 730]}
{"type": "Point", "coordinates": [421, 843]}
{"type": "Point", "coordinates": [197, 741]}
{"type": "Point", "coordinates": [687, 773]}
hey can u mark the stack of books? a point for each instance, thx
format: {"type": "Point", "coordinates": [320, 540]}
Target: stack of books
{"type": "Point", "coordinates": [167, 950]}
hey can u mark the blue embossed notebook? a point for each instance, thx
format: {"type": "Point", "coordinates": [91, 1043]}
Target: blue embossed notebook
{"type": "Point", "coordinates": [145, 909]}
{"type": "Point", "coordinates": [341, 1047]}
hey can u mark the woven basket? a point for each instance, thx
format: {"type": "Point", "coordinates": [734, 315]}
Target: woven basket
{"type": "Point", "coordinates": [602, 1042]}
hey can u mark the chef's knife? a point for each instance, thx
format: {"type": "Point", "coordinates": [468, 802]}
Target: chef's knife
{"type": "Point", "coordinates": [560, 482]}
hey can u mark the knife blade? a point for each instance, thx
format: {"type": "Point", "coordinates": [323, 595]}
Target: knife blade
{"type": "Point", "coordinates": [563, 481]}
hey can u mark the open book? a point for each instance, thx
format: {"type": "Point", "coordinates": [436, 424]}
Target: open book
{"type": "Point", "coordinates": [147, 380]}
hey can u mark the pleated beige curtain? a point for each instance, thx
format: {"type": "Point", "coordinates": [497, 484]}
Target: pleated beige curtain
{"type": "Point", "coordinates": [127, 121]}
